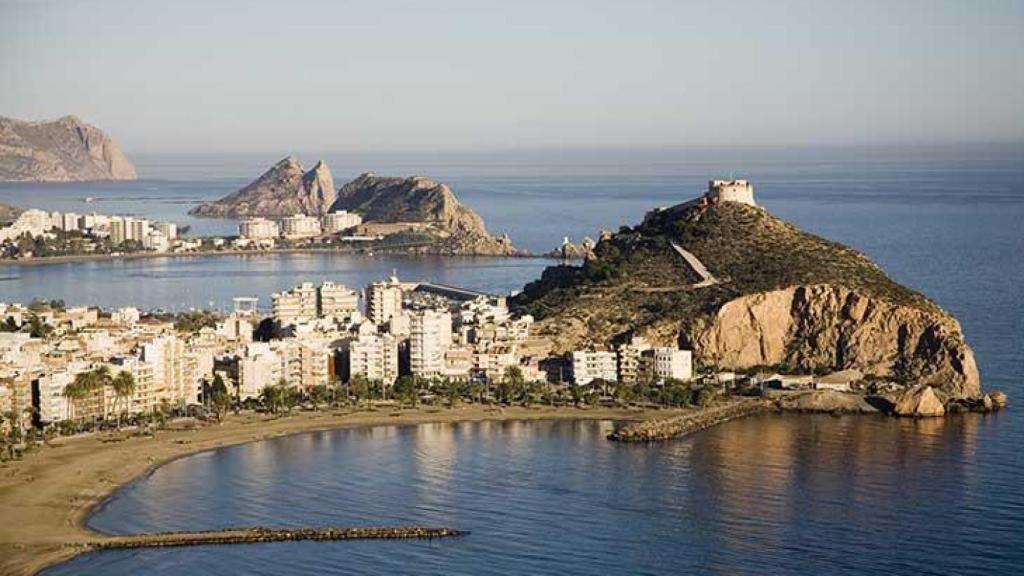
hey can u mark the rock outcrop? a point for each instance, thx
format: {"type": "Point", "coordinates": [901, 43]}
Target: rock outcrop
{"type": "Point", "coordinates": [283, 190]}
{"type": "Point", "coordinates": [63, 150]}
{"type": "Point", "coordinates": [810, 327]}
{"type": "Point", "coordinates": [457, 229]}
{"type": "Point", "coordinates": [919, 402]}
{"type": "Point", "coordinates": [570, 251]}
{"type": "Point", "coordinates": [783, 300]}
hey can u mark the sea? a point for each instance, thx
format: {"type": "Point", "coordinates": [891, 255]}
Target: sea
{"type": "Point", "coordinates": [766, 495]}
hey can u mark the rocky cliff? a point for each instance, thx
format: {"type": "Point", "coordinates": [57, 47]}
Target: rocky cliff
{"type": "Point", "coordinates": [779, 299]}
{"type": "Point", "coordinates": [63, 150]}
{"type": "Point", "coordinates": [283, 190]}
{"type": "Point", "coordinates": [458, 229]}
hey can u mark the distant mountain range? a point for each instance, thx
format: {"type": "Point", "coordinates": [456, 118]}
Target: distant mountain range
{"type": "Point", "coordinates": [62, 150]}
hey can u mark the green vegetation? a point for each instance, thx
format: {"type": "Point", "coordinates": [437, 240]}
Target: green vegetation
{"type": "Point", "coordinates": [637, 280]}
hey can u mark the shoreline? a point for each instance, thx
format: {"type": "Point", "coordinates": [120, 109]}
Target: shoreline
{"type": "Point", "coordinates": [47, 497]}
{"type": "Point", "coordinates": [46, 260]}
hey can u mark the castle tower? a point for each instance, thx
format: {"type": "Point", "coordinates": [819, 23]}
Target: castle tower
{"type": "Point", "coordinates": [731, 191]}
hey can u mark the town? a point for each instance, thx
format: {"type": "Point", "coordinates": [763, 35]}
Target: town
{"type": "Point", "coordinates": [38, 234]}
{"type": "Point", "coordinates": [74, 368]}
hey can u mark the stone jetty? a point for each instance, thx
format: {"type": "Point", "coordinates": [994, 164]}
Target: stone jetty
{"type": "Point", "coordinates": [676, 426]}
{"type": "Point", "coordinates": [259, 535]}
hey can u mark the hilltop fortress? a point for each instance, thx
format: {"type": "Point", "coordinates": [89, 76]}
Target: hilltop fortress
{"type": "Point", "coordinates": [719, 191]}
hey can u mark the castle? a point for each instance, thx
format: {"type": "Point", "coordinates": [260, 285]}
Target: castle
{"type": "Point", "coordinates": [730, 191]}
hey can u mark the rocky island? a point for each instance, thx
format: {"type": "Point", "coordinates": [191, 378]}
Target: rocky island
{"type": "Point", "coordinates": [283, 190]}
{"type": "Point", "coordinates": [62, 150]}
{"type": "Point", "coordinates": [747, 291]}
{"type": "Point", "coordinates": [415, 213]}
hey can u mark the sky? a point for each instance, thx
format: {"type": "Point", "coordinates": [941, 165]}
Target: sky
{"type": "Point", "coordinates": [480, 75]}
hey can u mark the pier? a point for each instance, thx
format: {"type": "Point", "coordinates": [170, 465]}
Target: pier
{"type": "Point", "coordinates": [259, 535]}
{"type": "Point", "coordinates": [678, 426]}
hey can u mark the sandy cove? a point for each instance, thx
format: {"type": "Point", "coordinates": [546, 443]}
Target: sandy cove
{"type": "Point", "coordinates": [46, 497]}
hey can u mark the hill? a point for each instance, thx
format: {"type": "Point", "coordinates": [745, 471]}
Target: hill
{"type": "Point", "coordinates": [746, 290]}
{"type": "Point", "coordinates": [283, 190]}
{"type": "Point", "coordinates": [63, 150]}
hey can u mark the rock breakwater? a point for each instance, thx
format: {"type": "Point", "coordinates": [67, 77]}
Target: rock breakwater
{"type": "Point", "coordinates": [259, 535]}
{"type": "Point", "coordinates": [677, 426]}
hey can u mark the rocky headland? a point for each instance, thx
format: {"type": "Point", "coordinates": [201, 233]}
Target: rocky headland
{"type": "Point", "coordinates": [283, 190]}
{"type": "Point", "coordinates": [749, 292]}
{"type": "Point", "coordinates": [62, 150]}
{"type": "Point", "coordinates": [8, 213]}
{"type": "Point", "coordinates": [415, 213]}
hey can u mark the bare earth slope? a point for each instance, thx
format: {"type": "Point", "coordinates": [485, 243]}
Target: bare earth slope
{"type": "Point", "coordinates": [63, 150]}
{"type": "Point", "coordinates": [784, 299]}
{"type": "Point", "coordinates": [283, 190]}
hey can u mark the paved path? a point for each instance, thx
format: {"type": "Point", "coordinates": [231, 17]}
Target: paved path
{"type": "Point", "coordinates": [706, 278]}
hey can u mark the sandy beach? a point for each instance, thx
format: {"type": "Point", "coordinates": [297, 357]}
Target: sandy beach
{"type": "Point", "coordinates": [46, 497]}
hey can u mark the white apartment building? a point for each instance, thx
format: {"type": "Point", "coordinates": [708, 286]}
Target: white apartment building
{"type": "Point", "coordinates": [629, 354]}
{"type": "Point", "coordinates": [336, 301]}
{"type": "Point", "coordinates": [374, 356]}
{"type": "Point", "coordinates": [588, 366]}
{"type": "Point", "coordinates": [672, 363]}
{"type": "Point", "coordinates": [166, 355]}
{"type": "Point", "coordinates": [340, 220]}
{"type": "Point", "coordinates": [295, 305]}
{"type": "Point", "coordinates": [235, 328]}
{"type": "Point", "coordinates": [168, 229]}
{"type": "Point", "coordinates": [258, 367]}
{"type": "Point", "coordinates": [156, 241]}
{"type": "Point", "coordinates": [384, 300]}
{"type": "Point", "coordinates": [118, 230]}
{"type": "Point", "coordinates": [430, 336]}
{"type": "Point", "coordinates": [300, 226]}
{"type": "Point", "coordinates": [31, 222]}
{"type": "Point", "coordinates": [258, 228]}
{"type": "Point", "coordinates": [125, 316]}
{"type": "Point", "coordinates": [304, 363]}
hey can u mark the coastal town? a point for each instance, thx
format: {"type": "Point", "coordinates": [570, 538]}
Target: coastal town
{"type": "Point", "coordinates": [72, 368]}
{"type": "Point", "coordinates": [36, 234]}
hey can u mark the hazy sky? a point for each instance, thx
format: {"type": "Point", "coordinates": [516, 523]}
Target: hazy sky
{"type": "Point", "coordinates": [473, 75]}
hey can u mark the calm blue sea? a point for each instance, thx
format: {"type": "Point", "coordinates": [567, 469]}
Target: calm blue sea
{"type": "Point", "coordinates": [772, 495]}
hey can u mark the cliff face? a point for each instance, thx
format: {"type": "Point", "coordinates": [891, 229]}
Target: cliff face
{"type": "Point", "coordinates": [779, 298]}
{"type": "Point", "coordinates": [823, 327]}
{"type": "Point", "coordinates": [283, 190]}
{"type": "Point", "coordinates": [458, 229]}
{"type": "Point", "coordinates": [64, 150]}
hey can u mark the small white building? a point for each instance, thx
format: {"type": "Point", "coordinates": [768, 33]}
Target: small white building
{"type": "Point", "coordinates": [339, 221]}
{"type": "Point", "coordinates": [588, 366]}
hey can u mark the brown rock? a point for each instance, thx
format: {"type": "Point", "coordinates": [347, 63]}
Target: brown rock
{"type": "Point", "coordinates": [283, 190]}
{"type": "Point", "coordinates": [919, 402]}
{"type": "Point", "coordinates": [63, 150]}
{"type": "Point", "coordinates": [999, 399]}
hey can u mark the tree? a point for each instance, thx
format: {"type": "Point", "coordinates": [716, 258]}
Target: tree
{"type": "Point", "coordinates": [360, 388]}
{"type": "Point", "coordinates": [512, 385]}
{"type": "Point", "coordinates": [273, 398]}
{"type": "Point", "coordinates": [124, 386]}
{"type": "Point", "coordinates": [405, 390]}
{"type": "Point", "coordinates": [219, 395]}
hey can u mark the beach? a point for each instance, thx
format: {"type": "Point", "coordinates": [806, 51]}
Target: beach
{"type": "Point", "coordinates": [46, 497]}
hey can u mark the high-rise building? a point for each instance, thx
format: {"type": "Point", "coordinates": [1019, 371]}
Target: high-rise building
{"type": "Point", "coordinates": [430, 336]}
{"type": "Point", "coordinates": [383, 300]}
{"type": "Point", "coordinates": [340, 221]}
{"type": "Point", "coordinates": [168, 229]}
{"type": "Point", "coordinates": [295, 305]}
{"type": "Point", "coordinates": [118, 230]}
{"type": "Point", "coordinates": [258, 228]}
{"type": "Point", "coordinates": [300, 226]}
{"type": "Point", "coordinates": [374, 356]}
{"type": "Point", "coordinates": [336, 301]}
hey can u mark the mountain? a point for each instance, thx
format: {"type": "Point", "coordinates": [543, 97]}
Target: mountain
{"type": "Point", "coordinates": [283, 190]}
{"type": "Point", "coordinates": [63, 150]}
{"type": "Point", "coordinates": [745, 290]}
{"type": "Point", "coordinates": [457, 229]}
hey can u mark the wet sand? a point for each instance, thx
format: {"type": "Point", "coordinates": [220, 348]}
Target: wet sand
{"type": "Point", "coordinates": [46, 497]}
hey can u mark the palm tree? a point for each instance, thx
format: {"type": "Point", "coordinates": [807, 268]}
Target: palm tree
{"type": "Point", "coordinates": [124, 386]}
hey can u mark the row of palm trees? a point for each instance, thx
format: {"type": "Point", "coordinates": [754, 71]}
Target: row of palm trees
{"type": "Point", "coordinates": [93, 382]}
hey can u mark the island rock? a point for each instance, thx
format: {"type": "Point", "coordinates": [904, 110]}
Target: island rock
{"type": "Point", "coordinates": [417, 207]}
{"type": "Point", "coordinates": [283, 190]}
{"type": "Point", "coordinates": [63, 150]}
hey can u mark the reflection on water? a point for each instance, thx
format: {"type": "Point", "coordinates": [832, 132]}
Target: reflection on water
{"type": "Point", "coordinates": [769, 494]}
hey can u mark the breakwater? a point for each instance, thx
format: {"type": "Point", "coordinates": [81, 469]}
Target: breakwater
{"type": "Point", "coordinates": [260, 535]}
{"type": "Point", "coordinates": [676, 426]}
